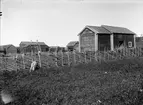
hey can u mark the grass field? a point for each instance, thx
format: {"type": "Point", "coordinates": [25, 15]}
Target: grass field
{"type": "Point", "coordinates": [108, 83]}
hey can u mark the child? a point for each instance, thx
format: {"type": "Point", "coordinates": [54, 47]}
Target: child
{"type": "Point", "coordinates": [34, 65]}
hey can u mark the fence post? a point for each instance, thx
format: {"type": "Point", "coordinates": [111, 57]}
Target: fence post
{"type": "Point", "coordinates": [119, 52]}
{"type": "Point", "coordinates": [1, 61]}
{"type": "Point", "coordinates": [129, 52]}
{"type": "Point", "coordinates": [74, 57]}
{"type": "Point", "coordinates": [39, 55]}
{"type": "Point", "coordinates": [56, 58]}
{"type": "Point", "coordinates": [68, 58]}
{"type": "Point", "coordinates": [108, 56]}
{"type": "Point", "coordinates": [95, 56]}
{"type": "Point", "coordinates": [23, 61]}
{"type": "Point", "coordinates": [104, 54]}
{"type": "Point", "coordinates": [136, 54]}
{"type": "Point", "coordinates": [48, 53]}
{"type": "Point", "coordinates": [62, 58]}
{"type": "Point", "coordinates": [140, 51]}
{"type": "Point", "coordinates": [124, 49]}
{"type": "Point", "coordinates": [85, 57]}
{"type": "Point", "coordinates": [79, 58]}
{"type": "Point", "coordinates": [16, 57]}
{"type": "Point", "coordinates": [90, 56]}
{"type": "Point", "coordinates": [123, 52]}
{"type": "Point", "coordinates": [100, 57]}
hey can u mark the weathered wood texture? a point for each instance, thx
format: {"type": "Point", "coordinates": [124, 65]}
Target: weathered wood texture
{"type": "Point", "coordinates": [123, 37]}
{"type": "Point", "coordinates": [87, 41]}
{"type": "Point", "coordinates": [103, 42]}
{"type": "Point", "coordinates": [11, 49]}
{"type": "Point", "coordinates": [34, 48]}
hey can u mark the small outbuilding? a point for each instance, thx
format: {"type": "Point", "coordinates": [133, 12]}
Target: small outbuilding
{"type": "Point", "coordinates": [73, 45]}
{"type": "Point", "coordinates": [101, 38]}
{"type": "Point", "coordinates": [26, 47]}
{"type": "Point", "coordinates": [9, 49]}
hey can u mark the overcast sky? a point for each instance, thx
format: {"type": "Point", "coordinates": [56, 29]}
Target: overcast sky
{"type": "Point", "coordinates": [56, 22]}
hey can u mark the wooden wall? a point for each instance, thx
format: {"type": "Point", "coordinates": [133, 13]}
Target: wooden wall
{"type": "Point", "coordinates": [103, 42]}
{"type": "Point", "coordinates": [34, 48]}
{"type": "Point", "coordinates": [44, 48]}
{"type": "Point", "coordinates": [11, 49]}
{"type": "Point", "coordinates": [87, 40]}
{"type": "Point", "coordinates": [123, 37]}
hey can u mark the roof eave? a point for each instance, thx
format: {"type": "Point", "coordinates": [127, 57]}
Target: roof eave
{"type": "Point", "coordinates": [88, 28]}
{"type": "Point", "coordinates": [123, 33]}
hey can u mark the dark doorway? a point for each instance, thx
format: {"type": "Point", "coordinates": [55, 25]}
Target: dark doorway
{"type": "Point", "coordinates": [103, 42]}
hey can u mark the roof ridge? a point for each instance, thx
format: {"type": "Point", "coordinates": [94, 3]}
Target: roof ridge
{"type": "Point", "coordinates": [99, 29]}
{"type": "Point", "coordinates": [105, 28]}
{"type": "Point", "coordinates": [114, 26]}
{"type": "Point", "coordinates": [117, 29]}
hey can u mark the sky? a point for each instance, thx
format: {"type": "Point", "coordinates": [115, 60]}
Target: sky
{"type": "Point", "coordinates": [57, 22]}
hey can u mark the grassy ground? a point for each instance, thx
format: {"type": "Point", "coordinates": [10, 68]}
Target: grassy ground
{"type": "Point", "coordinates": [108, 83]}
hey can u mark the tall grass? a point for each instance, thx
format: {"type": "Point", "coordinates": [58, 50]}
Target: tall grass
{"type": "Point", "coordinates": [108, 83]}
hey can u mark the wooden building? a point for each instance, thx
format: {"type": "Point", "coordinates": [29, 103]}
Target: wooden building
{"type": "Point", "coordinates": [27, 47]}
{"type": "Point", "coordinates": [2, 51]}
{"type": "Point", "coordinates": [139, 41]}
{"type": "Point", "coordinates": [99, 38]}
{"type": "Point", "coordinates": [9, 49]}
{"type": "Point", "coordinates": [56, 49]}
{"type": "Point", "coordinates": [73, 45]}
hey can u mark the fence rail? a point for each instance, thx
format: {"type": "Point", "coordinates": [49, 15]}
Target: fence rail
{"type": "Point", "coordinates": [47, 60]}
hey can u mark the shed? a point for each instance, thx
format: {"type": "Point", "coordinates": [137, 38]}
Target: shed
{"type": "Point", "coordinates": [73, 45]}
{"type": "Point", "coordinates": [104, 37]}
{"type": "Point", "coordinates": [27, 46]}
{"type": "Point", "coordinates": [9, 49]}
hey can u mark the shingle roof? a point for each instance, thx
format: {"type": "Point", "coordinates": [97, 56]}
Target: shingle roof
{"type": "Point", "coordinates": [99, 29]}
{"type": "Point", "coordinates": [27, 43]}
{"type": "Point", "coordinates": [33, 43]}
{"type": "Point", "coordinates": [7, 46]}
{"type": "Point", "coordinates": [114, 29]}
{"type": "Point", "coordinates": [72, 43]}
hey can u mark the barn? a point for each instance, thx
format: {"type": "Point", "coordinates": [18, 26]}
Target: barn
{"type": "Point", "coordinates": [104, 37]}
{"type": "Point", "coordinates": [27, 46]}
{"type": "Point", "coordinates": [9, 49]}
{"type": "Point", "coordinates": [72, 45]}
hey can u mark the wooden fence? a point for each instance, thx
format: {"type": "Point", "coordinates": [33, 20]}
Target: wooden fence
{"type": "Point", "coordinates": [48, 60]}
